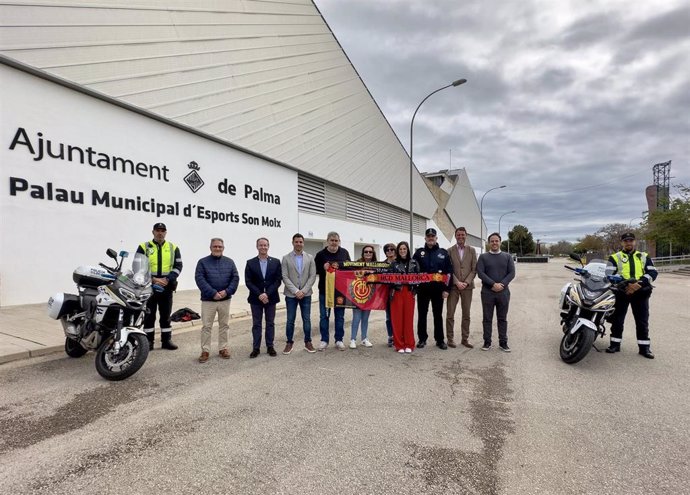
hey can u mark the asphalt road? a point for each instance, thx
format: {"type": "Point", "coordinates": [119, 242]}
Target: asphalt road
{"type": "Point", "coordinates": [365, 421]}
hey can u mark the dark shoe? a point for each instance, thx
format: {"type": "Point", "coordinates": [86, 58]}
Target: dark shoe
{"type": "Point", "coordinates": [255, 353]}
{"type": "Point", "coordinates": [150, 336]}
{"type": "Point", "coordinates": [167, 342]}
{"type": "Point", "coordinates": [614, 347]}
{"type": "Point", "coordinates": [272, 351]}
{"type": "Point", "coordinates": [390, 341]}
{"type": "Point", "coordinates": [504, 347]}
{"type": "Point", "coordinates": [224, 353]}
{"type": "Point", "coordinates": [204, 357]}
{"type": "Point", "coordinates": [452, 344]}
{"type": "Point", "coordinates": [441, 345]}
{"type": "Point", "coordinates": [288, 348]}
{"type": "Point", "coordinates": [467, 344]}
{"type": "Point", "coordinates": [486, 347]}
{"type": "Point", "coordinates": [309, 347]}
{"type": "Point", "coordinates": [647, 352]}
{"type": "Point", "coordinates": [421, 344]}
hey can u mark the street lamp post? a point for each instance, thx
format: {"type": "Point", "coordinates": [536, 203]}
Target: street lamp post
{"type": "Point", "coordinates": [481, 216]}
{"type": "Point", "coordinates": [454, 83]}
{"type": "Point", "coordinates": [499, 225]}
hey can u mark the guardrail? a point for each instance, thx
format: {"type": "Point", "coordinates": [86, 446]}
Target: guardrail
{"type": "Point", "coordinates": [672, 260]}
{"type": "Point", "coordinates": [532, 259]}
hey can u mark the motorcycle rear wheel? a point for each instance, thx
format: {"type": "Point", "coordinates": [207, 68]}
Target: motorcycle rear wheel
{"type": "Point", "coordinates": [574, 347]}
{"type": "Point", "coordinates": [73, 348]}
{"type": "Point", "coordinates": [123, 364]}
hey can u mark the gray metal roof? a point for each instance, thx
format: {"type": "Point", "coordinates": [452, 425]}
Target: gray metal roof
{"type": "Point", "coordinates": [268, 76]}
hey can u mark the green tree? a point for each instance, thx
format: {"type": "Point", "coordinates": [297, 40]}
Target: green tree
{"type": "Point", "coordinates": [561, 247]}
{"type": "Point", "coordinates": [521, 241]}
{"type": "Point", "coordinates": [589, 243]}
{"type": "Point", "coordinates": [610, 236]}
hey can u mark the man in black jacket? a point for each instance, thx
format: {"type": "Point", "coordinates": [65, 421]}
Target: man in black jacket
{"type": "Point", "coordinates": [263, 275]}
{"type": "Point", "coordinates": [432, 259]}
{"type": "Point", "coordinates": [329, 258]}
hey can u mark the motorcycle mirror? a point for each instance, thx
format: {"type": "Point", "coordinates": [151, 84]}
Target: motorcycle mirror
{"type": "Point", "coordinates": [111, 254]}
{"type": "Point", "coordinates": [576, 258]}
{"type": "Point", "coordinates": [124, 254]}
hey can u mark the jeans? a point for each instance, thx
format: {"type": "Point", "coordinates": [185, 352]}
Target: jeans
{"type": "Point", "coordinates": [324, 317]}
{"type": "Point", "coordinates": [360, 316]}
{"type": "Point", "coordinates": [291, 304]}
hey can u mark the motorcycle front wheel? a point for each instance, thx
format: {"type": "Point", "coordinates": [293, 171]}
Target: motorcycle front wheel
{"type": "Point", "coordinates": [575, 346]}
{"type": "Point", "coordinates": [131, 357]}
{"type": "Point", "coordinates": [73, 348]}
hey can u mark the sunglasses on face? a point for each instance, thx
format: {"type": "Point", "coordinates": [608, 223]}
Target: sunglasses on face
{"type": "Point", "coordinates": [368, 252]}
{"type": "Point", "coordinates": [390, 249]}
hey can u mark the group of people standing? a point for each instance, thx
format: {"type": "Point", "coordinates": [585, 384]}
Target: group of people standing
{"type": "Point", "coordinates": [217, 278]}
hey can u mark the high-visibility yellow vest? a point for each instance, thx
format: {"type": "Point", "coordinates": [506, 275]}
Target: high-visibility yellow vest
{"type": "Point", "coordinates": [161, 258]}
{"type": "Point", "coordinates": [623, 263]}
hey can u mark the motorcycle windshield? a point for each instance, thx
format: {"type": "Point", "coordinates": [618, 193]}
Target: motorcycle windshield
{"type": "Point", "coordinates": [595, 276]}
{"type": "Point", "coordinates": [140, 274]}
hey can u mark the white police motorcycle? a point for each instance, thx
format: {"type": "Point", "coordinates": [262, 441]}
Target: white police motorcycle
{"type": "Point", "coordinates": [585, 304]}
{"type": "Point", "coordinates": [107, 315]}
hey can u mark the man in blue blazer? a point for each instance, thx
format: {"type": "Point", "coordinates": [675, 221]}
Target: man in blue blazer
{"type": "Point", "coordinates": [263, 276]}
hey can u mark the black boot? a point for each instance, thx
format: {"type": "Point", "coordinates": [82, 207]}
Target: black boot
{"type": "Point", "coordinates": [150, 336]}
{"type": "Point", "coordinates": [645, 351]}
{"type": "Point", "coordinates": [166, 340]}
{"type": "Point", "coordinates": [614, 347]}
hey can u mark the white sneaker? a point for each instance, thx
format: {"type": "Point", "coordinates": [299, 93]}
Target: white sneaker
{"type": "Point", "coordinates": [408, 350]}
{"type": "Point", "coordinates": [340, 346]}
{"type": "Point", "coordinates": [401, 351]}
{"type": "Point", "coordinates": [353, 344]}
{"type": "Point", "coordinates": [323, 345]}
{"type": "Point", "coordinates": [366, 343]}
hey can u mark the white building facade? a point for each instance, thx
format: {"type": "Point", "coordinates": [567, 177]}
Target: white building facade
{"type": "Point", "coordinates": [221, 119]}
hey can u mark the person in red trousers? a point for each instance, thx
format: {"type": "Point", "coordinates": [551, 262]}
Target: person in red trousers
{"type": "Point", "coordinates": [402, 302]}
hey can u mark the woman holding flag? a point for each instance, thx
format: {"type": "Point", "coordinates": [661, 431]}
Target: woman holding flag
{"type": "Point", "coordinates": [402, 301]}
{"type": "Point", "coordinates": [360, 317]}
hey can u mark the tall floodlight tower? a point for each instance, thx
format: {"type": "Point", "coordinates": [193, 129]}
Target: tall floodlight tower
{"type": "Point", "coordinates": [658, 194]}
{"type": "Point", "coordinates": [662, 180]}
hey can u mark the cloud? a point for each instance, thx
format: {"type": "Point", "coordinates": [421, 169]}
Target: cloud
{"type": "Point", "coordinates": [570, 105]}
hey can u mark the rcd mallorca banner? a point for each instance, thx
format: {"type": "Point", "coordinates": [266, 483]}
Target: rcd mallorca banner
{"type": "Point", "coordinates": [352, 289]}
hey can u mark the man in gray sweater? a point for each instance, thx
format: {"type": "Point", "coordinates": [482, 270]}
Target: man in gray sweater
{"type": "Point", "coordinates": [496, 270]}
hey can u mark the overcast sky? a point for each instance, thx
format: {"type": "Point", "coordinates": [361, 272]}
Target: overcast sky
{"type": "Point", "coordinates": [568, 103]}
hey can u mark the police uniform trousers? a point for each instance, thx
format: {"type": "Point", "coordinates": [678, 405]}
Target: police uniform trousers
{"type": "Point", "coordinates": [430, 293]}
{"type": "Point", "coordinates": [161, 302]}
{"type": "Point", "coordinates": [639, 302]}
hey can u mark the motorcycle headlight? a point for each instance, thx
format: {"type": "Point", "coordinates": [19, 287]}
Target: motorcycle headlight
{"type": "Point", "coordinates": [127, 294]}
{"type": "Point", "coordinates": [605, 304]}
{"type": "Point", "coordinates": [590, 294]}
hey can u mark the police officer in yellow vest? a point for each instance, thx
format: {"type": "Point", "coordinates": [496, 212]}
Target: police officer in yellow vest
{"type": "Point", "coordinates": [632, 264]}
{"type": "Point", "coordinates": [166, 265]}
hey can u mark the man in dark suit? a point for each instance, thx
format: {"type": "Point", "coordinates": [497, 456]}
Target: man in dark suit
{"type": "Point", "coordinates": [263, 275]}
{"type": "Point", "coordinates": [464, 260]}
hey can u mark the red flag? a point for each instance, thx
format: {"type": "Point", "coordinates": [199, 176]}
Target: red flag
{"type": "Point", "coordinates": [352, 290]}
